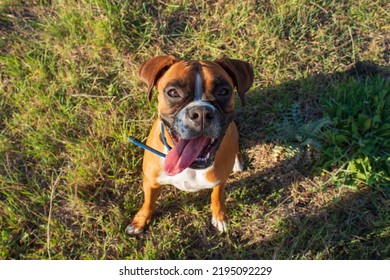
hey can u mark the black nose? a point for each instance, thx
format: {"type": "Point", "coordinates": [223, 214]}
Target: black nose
{"type": "Point", "coordinates": [200, 115]}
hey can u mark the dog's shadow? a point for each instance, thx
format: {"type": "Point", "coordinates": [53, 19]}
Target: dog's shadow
{"type": "Point", "coordinates": [279, 210]}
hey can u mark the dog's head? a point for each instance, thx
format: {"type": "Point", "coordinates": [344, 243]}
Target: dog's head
{"type": "Point", "coordinates": [196, 104]}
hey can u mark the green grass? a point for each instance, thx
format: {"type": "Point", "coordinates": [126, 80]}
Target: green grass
{"type": "Point", "coordinates": [70, 97]}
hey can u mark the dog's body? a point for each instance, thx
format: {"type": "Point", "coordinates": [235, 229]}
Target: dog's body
{"type": "Point", "coordinates": [196, 111]}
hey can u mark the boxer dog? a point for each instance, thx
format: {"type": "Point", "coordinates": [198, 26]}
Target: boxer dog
{"type": "Point", "coordinates": [195, 129]}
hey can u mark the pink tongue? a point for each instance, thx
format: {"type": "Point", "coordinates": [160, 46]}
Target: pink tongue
{"type": "Point", "coordinates": [183, 154]}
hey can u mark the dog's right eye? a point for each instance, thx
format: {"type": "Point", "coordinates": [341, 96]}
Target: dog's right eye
{"type": "Point", "coordinates": [173, 93]}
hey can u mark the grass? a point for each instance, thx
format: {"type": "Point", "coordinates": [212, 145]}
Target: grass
{"type": "Point", "coordinates": [70, 97]}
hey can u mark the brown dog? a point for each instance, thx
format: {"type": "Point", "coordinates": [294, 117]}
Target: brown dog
{"type": "Point", "coordinates": [196, 111]}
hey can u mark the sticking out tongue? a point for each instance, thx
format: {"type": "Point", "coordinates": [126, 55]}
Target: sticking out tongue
{"type": "Point", "coordinates": [184, 154]}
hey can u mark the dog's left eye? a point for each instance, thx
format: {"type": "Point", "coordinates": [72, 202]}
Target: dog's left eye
{"type": "Point", "coordinates": [173, 93]}
{"type": "Point", "coordinates": [224, 92]}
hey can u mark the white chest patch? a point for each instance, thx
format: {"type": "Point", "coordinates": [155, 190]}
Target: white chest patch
{"type": "Point", "coordinates": [189, 180]}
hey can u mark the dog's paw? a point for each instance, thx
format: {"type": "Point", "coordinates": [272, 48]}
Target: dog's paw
{"type": "Point", "coordinates": [132, 230]}
{"type": "Point", "coordinates": [139, 222]}
{"type": "Point", "coordinates": [221, 225]}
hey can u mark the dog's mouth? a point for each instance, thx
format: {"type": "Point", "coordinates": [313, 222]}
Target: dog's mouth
{"type": "Point", "coordinates": [197, 153]}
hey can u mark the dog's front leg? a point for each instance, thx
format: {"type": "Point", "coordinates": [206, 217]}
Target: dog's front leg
{"type": "Point", "coordinates": [142, 218]}
{"type": "Point", "coordinates": [218, 208]}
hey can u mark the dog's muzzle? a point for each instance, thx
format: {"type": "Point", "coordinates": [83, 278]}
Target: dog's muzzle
{"type": "Point", "coordinates": [197, 131]}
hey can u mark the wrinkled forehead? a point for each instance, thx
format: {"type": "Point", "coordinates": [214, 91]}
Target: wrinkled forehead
{"type": "Point", "coordinates": [184, 74]}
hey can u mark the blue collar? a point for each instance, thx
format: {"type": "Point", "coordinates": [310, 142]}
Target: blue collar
{"type": "Point", "coordinates": [163, 137]}
{"type": "Point", "coordinates": [143, 146]}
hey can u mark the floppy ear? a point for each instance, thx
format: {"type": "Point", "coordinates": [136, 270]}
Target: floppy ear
{"type": "Point", "coordinates": [151, 70]}
{"type": "Point", "coordinates": [241, 72]}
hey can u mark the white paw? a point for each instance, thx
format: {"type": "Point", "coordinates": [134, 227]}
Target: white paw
{"type": "Point", "coordinates": [133, 230]}
{"type": "Point", "coordinates": [220, 225]}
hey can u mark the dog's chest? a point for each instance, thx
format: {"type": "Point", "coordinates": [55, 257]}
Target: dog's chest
{"type": "Point", "coordinates": [190, 180]}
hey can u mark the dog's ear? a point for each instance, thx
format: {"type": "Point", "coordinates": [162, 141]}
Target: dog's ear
{"type": "Point", "coordinates": [241, 72]}
{"type": "Point", "coordinates": [151, 70]}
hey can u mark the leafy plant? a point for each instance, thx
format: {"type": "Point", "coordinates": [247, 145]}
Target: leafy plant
{"type": "Point", "coordinates": [360, 134]}
{"type": "Point", "coordinates": [292, 129]}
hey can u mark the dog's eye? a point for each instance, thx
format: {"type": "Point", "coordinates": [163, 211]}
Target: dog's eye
{"type": "Point", "coordinates": [173, 93]}
{"type": "Point", "coordinates": [224, 92]}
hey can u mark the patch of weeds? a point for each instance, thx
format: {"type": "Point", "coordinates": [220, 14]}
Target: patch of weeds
{"type": "Point", "coordinates": [294, 135]}
{"type": "Point", "coordinates": [360, 133]}
{"type": "Point", "coordinates": [353, 135]}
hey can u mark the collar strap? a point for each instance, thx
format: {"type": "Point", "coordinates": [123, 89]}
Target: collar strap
{"type": "Point", "coordinates": [150, 149]}
{"type": "Point", "coordinates": [164, 140]}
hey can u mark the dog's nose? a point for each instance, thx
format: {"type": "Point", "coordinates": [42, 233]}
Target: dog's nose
{"type": "Point", "coordinates": [200, 115]}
